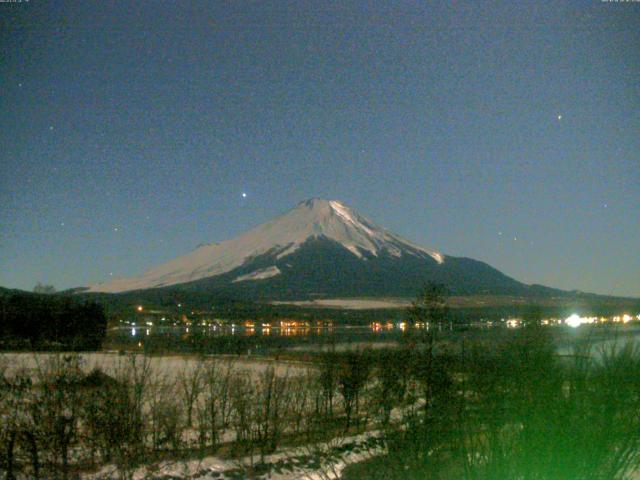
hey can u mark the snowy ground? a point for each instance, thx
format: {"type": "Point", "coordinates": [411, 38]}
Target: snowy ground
{"type": "Point", "coordinates": [166, 365]}
{"type": "Point", "coordinates": [344, 347]}
{"type": "Point", "coordinates": [353, 303]}
{"type": "Point", "coordinates": [319, 462]}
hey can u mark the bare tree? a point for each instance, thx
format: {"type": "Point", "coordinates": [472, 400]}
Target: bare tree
{"type": "Point", "coordinates": [166, 421]}
{"type": "Point", "coordinates": [328, 379]}
{"type": "Point", "coordinates": [190, 384]}
{"type": "Point", "coordinates": [243, 401]}
{"type": "Point", "coordinates": [215, 408]}
{"type": "Point", "coordinates": [59, 396]}
{"type": "Point", "coordinates": [271, 395]}
{"type": "Point", "coordinates": [353, 375]}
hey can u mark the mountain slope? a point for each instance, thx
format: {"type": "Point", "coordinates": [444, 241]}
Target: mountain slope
{"type": "Point", "coordinates": [319, 248]}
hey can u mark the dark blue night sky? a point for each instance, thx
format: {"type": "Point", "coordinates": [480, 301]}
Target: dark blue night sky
{"type": "Point", "coordinates": [508, 132]}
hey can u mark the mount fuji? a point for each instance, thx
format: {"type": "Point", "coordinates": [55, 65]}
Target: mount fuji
{"type": "Point", "coordinates": [320, 248]}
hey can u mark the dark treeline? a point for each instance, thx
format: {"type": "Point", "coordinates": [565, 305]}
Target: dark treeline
{"type": "Point", "coordinates": [48, 322]}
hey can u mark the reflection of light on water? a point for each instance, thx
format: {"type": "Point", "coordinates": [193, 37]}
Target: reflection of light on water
{"type": "Point", "coordinates": [320, 328]}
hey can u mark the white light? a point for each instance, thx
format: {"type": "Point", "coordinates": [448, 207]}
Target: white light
{"type": "Point", "coordinates": [573, 321]}
{"type": "Point", "coordinates": [513, 323]}
{"type": "Point", "coordinates": [244, 195]}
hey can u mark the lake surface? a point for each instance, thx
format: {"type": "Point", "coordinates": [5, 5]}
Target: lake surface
{"type": "Point", "coordinates": [240, 339]}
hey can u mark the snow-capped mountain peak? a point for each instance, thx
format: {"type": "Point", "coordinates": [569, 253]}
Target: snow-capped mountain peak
{"type": "Point", "coordinates": [314, 218]}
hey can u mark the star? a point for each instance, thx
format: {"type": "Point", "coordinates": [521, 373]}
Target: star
{"type": "Point", "coordinates": [50, 127]}
{"type": "Point", "coordinates": [244, 195]}
{"type": "Point", "coordinates": [559, 117]}
{"type": "Point", "coordinates": [115, 229]}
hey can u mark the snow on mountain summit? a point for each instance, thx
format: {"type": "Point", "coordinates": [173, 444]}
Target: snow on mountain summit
{"type": "Point", "coordinates": [280, 237]}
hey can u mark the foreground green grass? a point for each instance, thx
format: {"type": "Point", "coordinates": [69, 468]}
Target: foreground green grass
{"type": "Point", "coordinates": [519, 411]}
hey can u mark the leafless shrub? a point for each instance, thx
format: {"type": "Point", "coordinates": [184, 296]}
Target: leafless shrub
{"type": "Point", "coordinates": [214, 408]}
{"type": "Point", "coordinates": [302, 401]}
{"type": "Point", "coordinates": [116, 417]}
{"type": "Point", "coordinates": [58, 394]}
{"type": "Point", "coordinates": [352, 377]}
{"type": "Point", "coordinates": [190, 385]}
{"type": "Point", "coordinates": [328, 380]}
{"type": "Point", "coordinates": [165, 415]}
{"type": "Point", "coordinates": [271, 395]}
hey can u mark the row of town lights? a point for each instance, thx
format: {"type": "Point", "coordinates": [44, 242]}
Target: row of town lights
{"type": "Point", "coordinates": [573, 320]}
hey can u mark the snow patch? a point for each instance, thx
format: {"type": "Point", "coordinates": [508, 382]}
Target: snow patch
{"type": "Point", "coordinates": [343, 212]}
{"type": "Point", "coordinates": [259, 274]}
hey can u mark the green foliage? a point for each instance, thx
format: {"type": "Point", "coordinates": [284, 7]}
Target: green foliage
{"type": "Point", "coordinates": [516, 410]}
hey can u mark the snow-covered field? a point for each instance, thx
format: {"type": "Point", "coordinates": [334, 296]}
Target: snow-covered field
{"type": "Point", "coordinates": [166, 365]}
{"type": "Point", "coordinates": [324, 460]}
{"type": "Point", "coordinates": [352, 303]}
{"type": "Point", "coordinates": [318, 462]}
